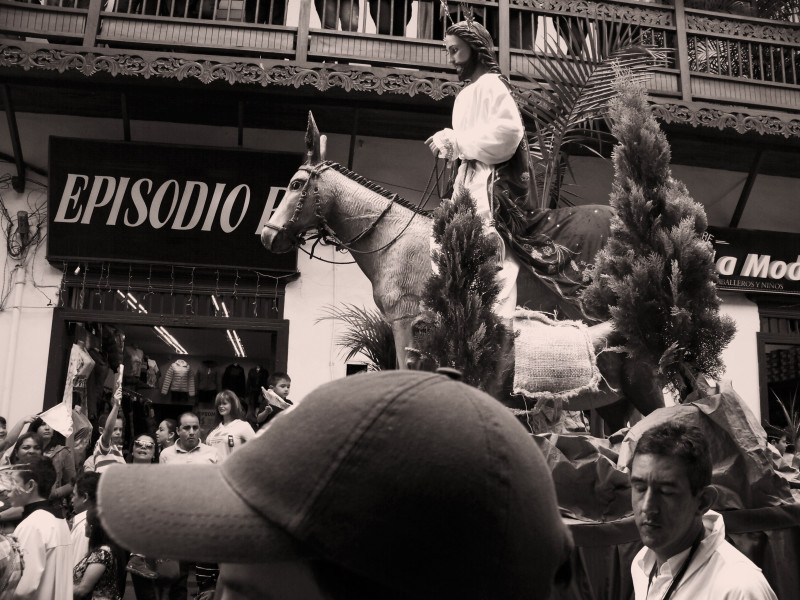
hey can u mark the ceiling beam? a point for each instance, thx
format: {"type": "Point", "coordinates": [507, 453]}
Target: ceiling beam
{"type": "Point", "coordinates": [18, 182]}
{"type": "Point", "coordinates": [755, 167]}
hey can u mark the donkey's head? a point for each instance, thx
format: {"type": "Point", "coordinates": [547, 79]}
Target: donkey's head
{"type": "Point", "coordinates": [297, 212]}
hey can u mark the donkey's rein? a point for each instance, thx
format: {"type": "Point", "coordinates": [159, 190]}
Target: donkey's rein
{"type": "Point", "coordinates": [328, 232]}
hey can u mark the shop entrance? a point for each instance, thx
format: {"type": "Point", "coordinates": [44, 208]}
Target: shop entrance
{"type": "Point", "coordinates": [180, 338]}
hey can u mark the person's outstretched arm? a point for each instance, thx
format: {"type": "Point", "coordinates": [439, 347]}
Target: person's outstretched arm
{"type": "Point", "coordinates": [15, 432]}
{"type": "Point", "coordinates": [105, 439]}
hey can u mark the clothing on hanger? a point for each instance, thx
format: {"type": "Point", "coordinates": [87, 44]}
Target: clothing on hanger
{"type": "Point", "coordinates": [179, 378]}
{"type": "Point", "coordinates": [234, 379]}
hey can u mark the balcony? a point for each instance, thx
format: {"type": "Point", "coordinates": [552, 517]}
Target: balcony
{"type": "Point", "coordinates": [718, 59]}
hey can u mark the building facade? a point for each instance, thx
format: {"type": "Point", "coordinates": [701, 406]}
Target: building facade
{"type": "Point", "coordinates": [170, 101]}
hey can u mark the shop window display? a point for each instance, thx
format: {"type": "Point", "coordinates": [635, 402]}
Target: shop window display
{"type": "Point", "coordinates": [166, 371]}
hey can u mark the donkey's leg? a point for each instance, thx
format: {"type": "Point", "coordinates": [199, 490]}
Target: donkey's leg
{"type": "Point", "coordinates": [403, 338]}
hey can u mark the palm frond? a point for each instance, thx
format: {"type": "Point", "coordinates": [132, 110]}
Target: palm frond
{"type": "Point", "coordinates": [366, 332]}
{"type": "Point", "coordinates": [792, 416]}
{"type": "Point", "coordinates": [571, 91]}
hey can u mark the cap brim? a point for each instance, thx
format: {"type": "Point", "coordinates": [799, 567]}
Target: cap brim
{"type": "Point", "coordinates": [188, 512]}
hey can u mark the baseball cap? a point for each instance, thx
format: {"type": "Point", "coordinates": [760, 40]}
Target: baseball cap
{"type": "Point", "coordinates": [412, 480]}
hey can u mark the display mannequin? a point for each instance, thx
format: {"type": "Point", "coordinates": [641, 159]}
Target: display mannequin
{"type": "Point", "coordinates": [80, 366]}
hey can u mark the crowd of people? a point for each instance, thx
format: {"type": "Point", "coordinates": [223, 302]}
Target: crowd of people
{"type": "Point", "coordinates": [392, 485]}
{"type": "Point", "coordinates": [53, 545]}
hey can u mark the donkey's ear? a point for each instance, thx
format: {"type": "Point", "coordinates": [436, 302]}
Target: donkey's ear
{"type": "Point", "coordinates": [323, 147]}
{"type": "Point", "coordinates": [312, 141]}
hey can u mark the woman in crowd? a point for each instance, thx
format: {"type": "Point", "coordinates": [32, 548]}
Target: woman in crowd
{"type": "Point", "coordinates": [232, 430]}
{"type": "Point", "coordinates": [54, 447]}
{"type": "Point", "coordinates": [167, 433]}
{"type": "Point", "coordinates": [11, 436]}
{"type": "Point", "coordinates": [95, 577]}
{"type": "Point", "coordinates": [28, 445]}
{"type": "Point", "coordinates": [230, 433]}
{"type": "Point", "coordinates": [145, 450]}
{"type": "Point", "coordinates": [148, 582]}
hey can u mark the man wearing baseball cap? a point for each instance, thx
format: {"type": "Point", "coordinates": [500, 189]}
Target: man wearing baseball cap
{"type": "Point", "coordinates": [399, 484]}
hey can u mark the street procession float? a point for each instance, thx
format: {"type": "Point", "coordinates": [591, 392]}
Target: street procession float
{"type": "Point", "coordinates": [617, 311]}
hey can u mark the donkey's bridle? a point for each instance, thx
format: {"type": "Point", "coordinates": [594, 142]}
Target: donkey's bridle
{"type": "Point", "coordinates": [325, 232]}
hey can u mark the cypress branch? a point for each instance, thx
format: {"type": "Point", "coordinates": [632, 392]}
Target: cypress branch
{"type": "Point", "coordinates": [656, 278]}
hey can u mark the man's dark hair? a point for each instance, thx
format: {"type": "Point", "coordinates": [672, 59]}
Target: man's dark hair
{"type": "Point", "coordinates": [42, 471]}
{"type": "Point", "coordinates": [86, 485]}
{"type": "Point", "coordinates": [3, 421]}
{"type": "Point", "coordinates": [188, 413]}
{"type": "Point", "coordinates": [684, 442]}
{"type": "Point", "coordinates": [276, 378]}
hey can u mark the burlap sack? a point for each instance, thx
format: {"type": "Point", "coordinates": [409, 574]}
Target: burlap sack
{"type": "Point", "coordinates": [552, 359]}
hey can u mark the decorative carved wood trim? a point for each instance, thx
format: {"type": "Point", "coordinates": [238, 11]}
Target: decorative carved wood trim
{"type": "Point", "coordinates": [639, 15]}
{"type": "Point", "coordinates": [343, 77]}
{"type": "Point", "coordinates": [264, 73]}
{"type": "Point", "coordinates": [742, 122]}
{"type": "Point", "coordinates": [744, 29]}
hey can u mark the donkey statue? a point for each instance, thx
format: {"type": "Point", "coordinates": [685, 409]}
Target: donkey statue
{"type": "Point", "coordinates": [389, 239]}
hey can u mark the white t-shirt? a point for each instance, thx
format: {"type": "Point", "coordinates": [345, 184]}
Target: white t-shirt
{"type": "Point", "coordinates": [78, 539]}
{"type": "Point", "coordinates": [227, 438]}
{"type": "Point", "coordinates": [718, 571]}
{"type": "Point", "coordinates": [46, 548]}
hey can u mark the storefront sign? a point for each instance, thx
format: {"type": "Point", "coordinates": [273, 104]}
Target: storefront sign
{"type": "Point", "coordinates": [757, 261]}
{"type": "Point", "coordinates": [157, 203]}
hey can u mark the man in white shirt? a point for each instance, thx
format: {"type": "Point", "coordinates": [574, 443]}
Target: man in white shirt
{"type": "Point", "coordinates": [685, 556]}
{"type": "Point", "coordinates": [43, 535]}
{"type": "Point", "coordinates": [84, 496]}
{"type": "Point", "coordinates": [189, 449]}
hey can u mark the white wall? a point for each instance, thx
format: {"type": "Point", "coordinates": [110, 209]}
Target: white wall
{"type": "Point", "coordinates": [314, 358]}
{"type": "Point", "coordinates": [741, 356]}
{"type": "Point", "coordinates": [29, 285]}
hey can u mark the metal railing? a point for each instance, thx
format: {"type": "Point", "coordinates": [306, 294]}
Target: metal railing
{"type": "Point", "coordinates": [717, 56]}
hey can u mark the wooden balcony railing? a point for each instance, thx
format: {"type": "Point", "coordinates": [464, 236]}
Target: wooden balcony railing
{"type": "Point", "coordinates": [732, 58]}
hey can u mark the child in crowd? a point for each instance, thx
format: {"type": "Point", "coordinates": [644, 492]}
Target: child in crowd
{"type": "Point", "coordinates": [84, 496]}
{"type": "Point", "coordinates": [275, 399]}
{"type": "Point", "coordinates": [108, 450]}
{"type": "Point", "coordinates": [43, 534]}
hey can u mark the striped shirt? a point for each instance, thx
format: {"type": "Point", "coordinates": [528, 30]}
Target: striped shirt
{"type": "Point", "coordinates": [103, 457]}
